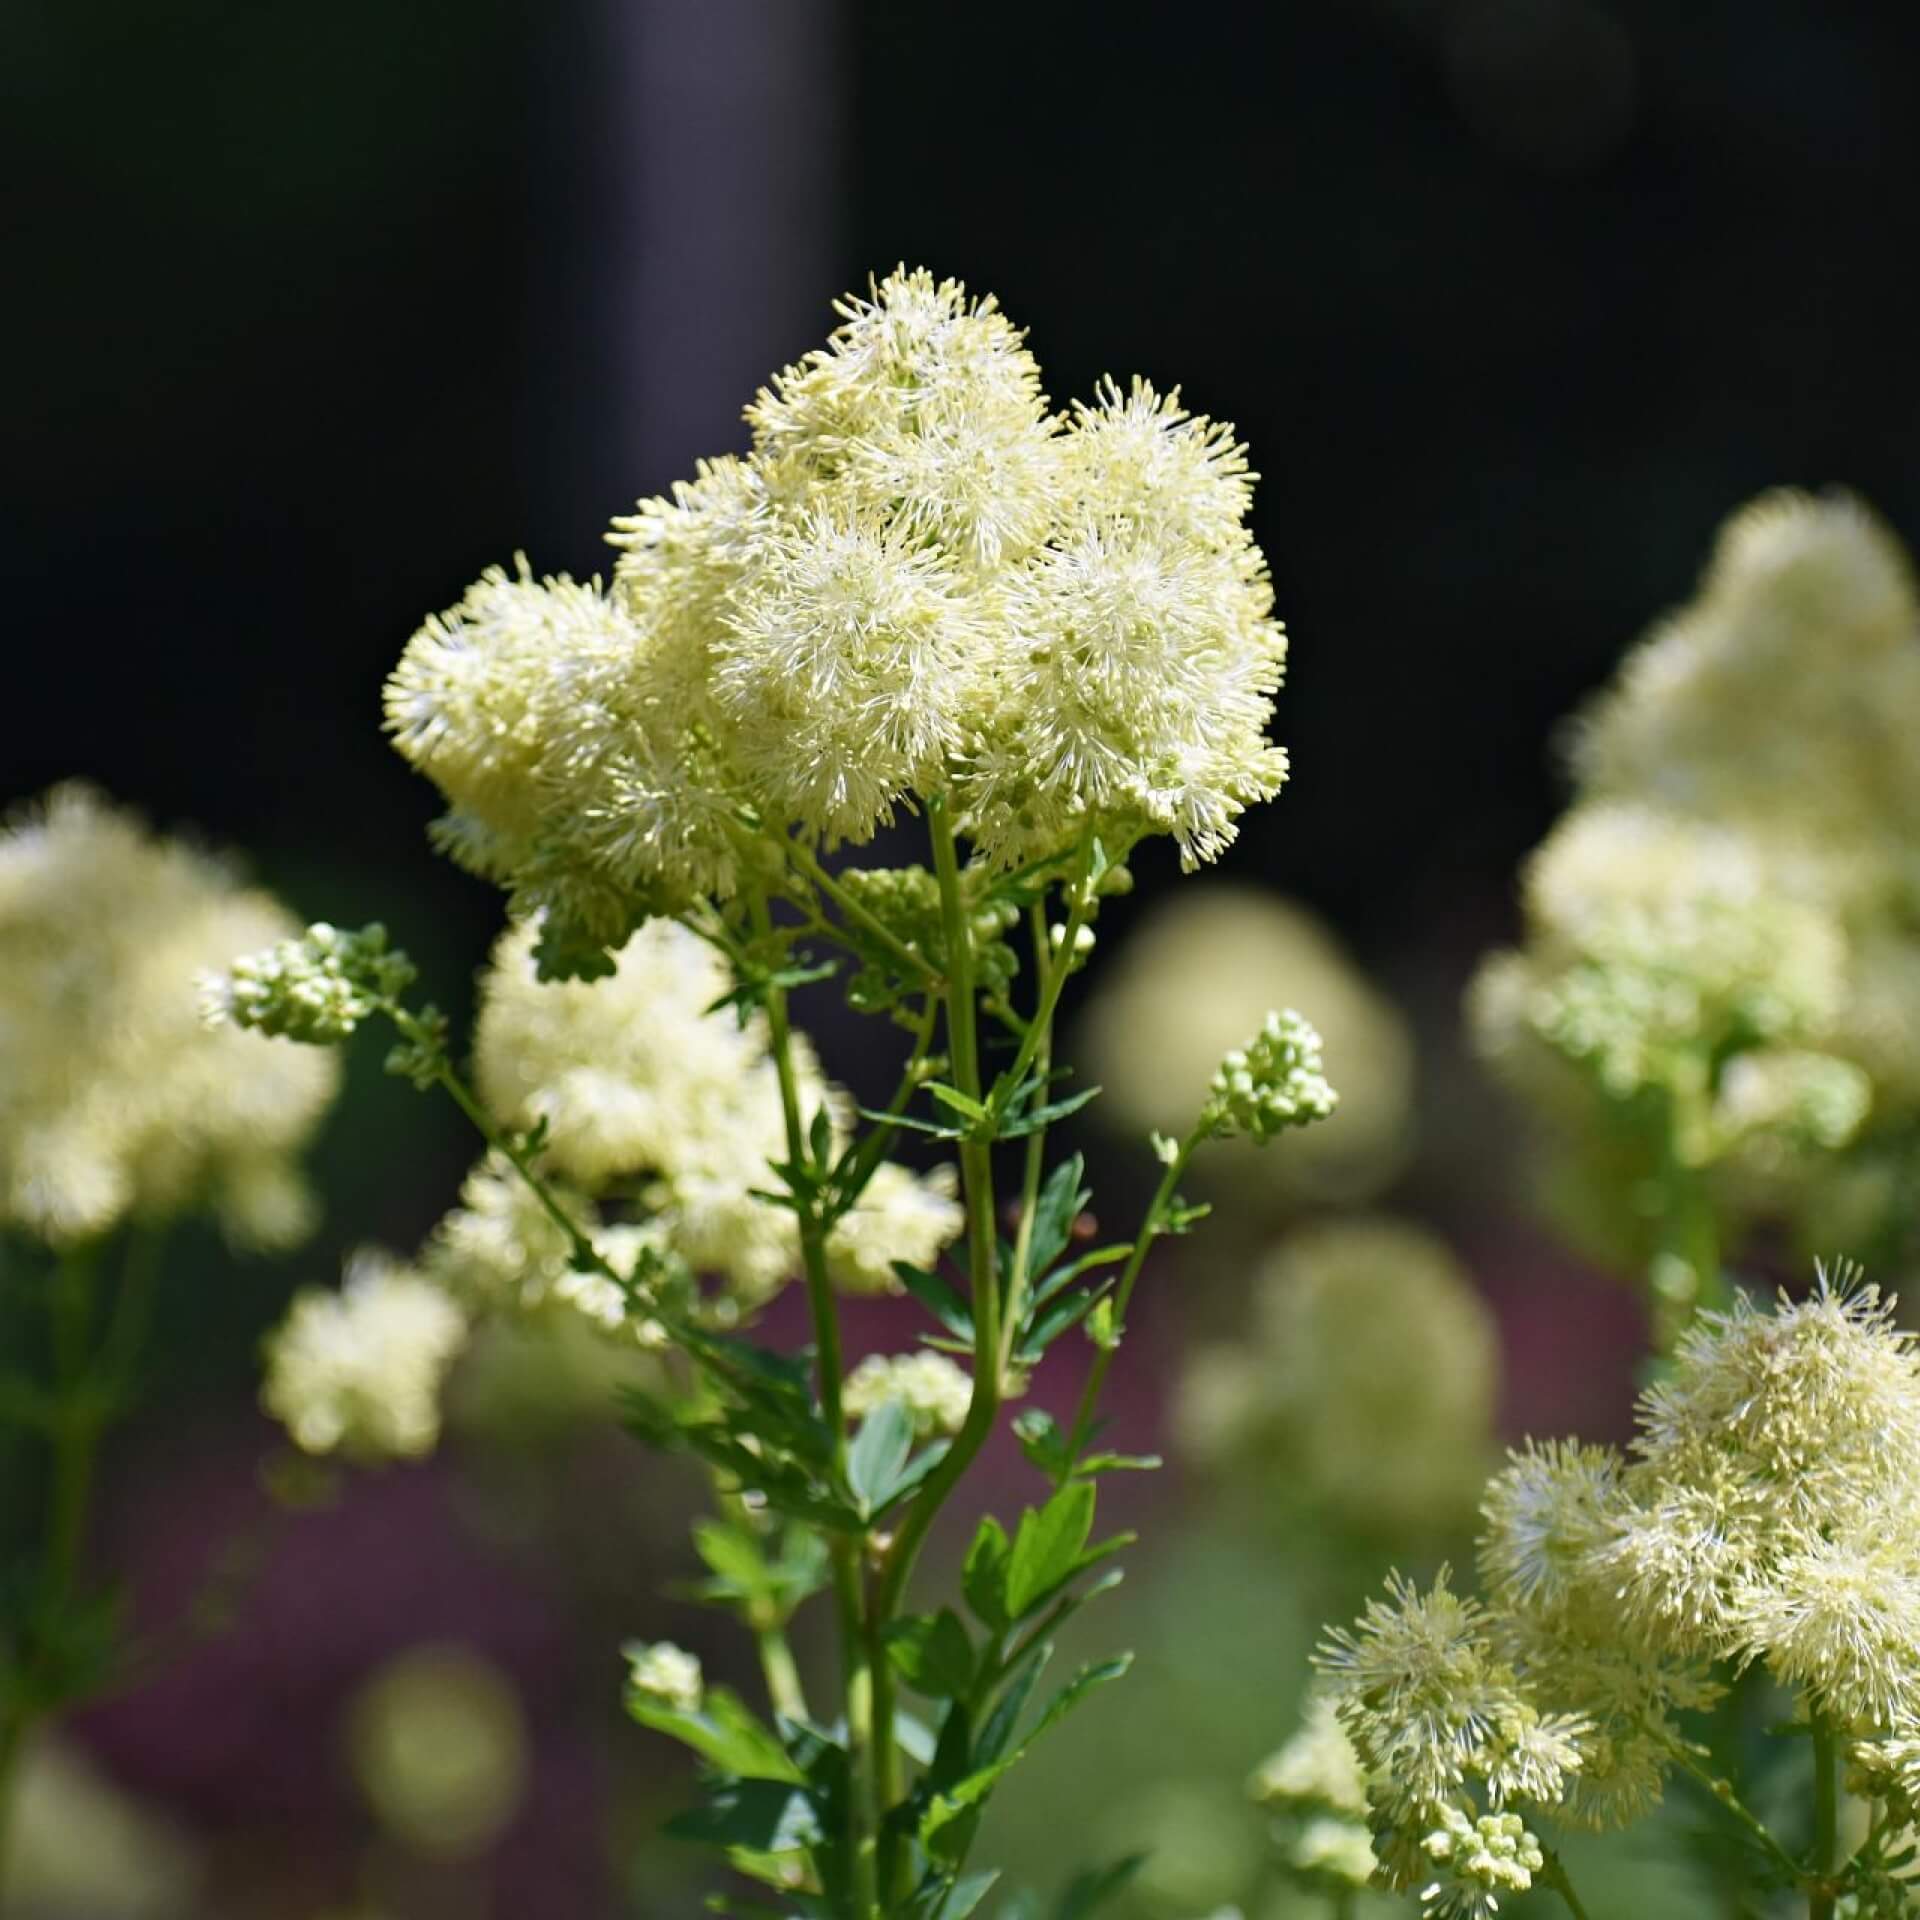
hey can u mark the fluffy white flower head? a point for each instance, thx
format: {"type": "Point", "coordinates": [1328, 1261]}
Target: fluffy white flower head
{"type": "Point", "coordinates": [358, 1371]}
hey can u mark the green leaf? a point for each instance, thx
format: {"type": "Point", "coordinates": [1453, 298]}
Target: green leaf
{"type": "Point", "coordinates": [938, 1297]}
{"type": "Point", "coordinates": [1035, 1118]}
{"type": "Point", "coordinates": [1120, 1463]}
{"type": "Point", "coordinates": [913, 1737]}
{"type": "Point", "coordinates": [963, 1104]}
{"type": "Point", "coordinates": [1091, 1890]}
{"type": "Point", "coordinates": [761, 1816]}
{"type": "Point", "coordinates": [1058, 1317]}
{"type": "Point", "coordinates": [983, 1579]}
{"type": "Point", "coordinates": [733, 1554]}
{"type": "Point", "coordinates": [1048, 1546]}
{"type": "Point", "coordinates": [932, 1653]}
{"type": "Point", "coordinates": [1042, 1441]}
{"type": "Point", "coordinates": [1065, 1276]}
{"type": "Point", "coordinates": [931, 1128]}
{"type": "Point", "coordinates": [820, 1136]}
{"type": "Point", "coordinates": [724, 1732]}
{"type": "Point", "coordinates": [878, 1454]}
{"type": "Point", "coordinates": [1056, 1550]}
{"type": "Point", "coordinates": [997, 1735]}
{"type": "Point", "coordinates": [947, 1807]}
{"type": "Point", "coordinates": [1101, 1328]}
{"type": "Point", "coordinates": [967, 1895]}
{"type": "Point", "coordinates": [1058, 1206]}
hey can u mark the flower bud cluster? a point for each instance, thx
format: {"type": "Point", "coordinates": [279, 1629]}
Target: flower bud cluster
{"type": "Point", "coordinates": [317, 987]}
{"type": "Point", "coordinates": [1272, 1083]}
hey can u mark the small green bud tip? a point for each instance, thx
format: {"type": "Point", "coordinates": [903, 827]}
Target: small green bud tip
{"type": "Point", "coordinates": [1272, 1083]}
{"type": "Point", "coordinates": [316, 988]}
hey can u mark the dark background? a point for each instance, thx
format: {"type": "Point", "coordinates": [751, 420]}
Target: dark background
{"type": "Point", "coordinates": [313, 312]}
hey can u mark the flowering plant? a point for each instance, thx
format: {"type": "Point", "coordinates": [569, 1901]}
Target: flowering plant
{"type": "Point", "coordinates": [1044, 637]}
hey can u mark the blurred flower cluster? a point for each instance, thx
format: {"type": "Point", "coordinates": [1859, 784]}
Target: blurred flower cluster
{"type": "Point", "coordinates": [117, 1103]}
{"type": "Point", "coordinates": [1360, 1394]}
{"type": "Point", "coordinates": [1717, 1005]}
{"type": "Point", "coordinates": [658, 1111]}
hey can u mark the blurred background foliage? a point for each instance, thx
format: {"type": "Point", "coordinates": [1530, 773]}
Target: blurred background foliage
{"type": "Point", "coordinates": [314, 312]}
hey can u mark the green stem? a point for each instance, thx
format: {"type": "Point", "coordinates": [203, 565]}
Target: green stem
{"type": "Point", "coordinates": [856, 1168]}
{"type": "Point", "coordinates": [1687, 1278]}
{"type": "Point", "coordinates": [857, 1676]}
{"type": "Point", "coordinates": [1826, 1822]}
{"type": "Point", "coordinates": [1036, 1155]}
{"type": "Point", "coordinates": [77, 1415]}
{"type": "Point", "coordinates": [1082, 1429]}
{"type": "Point", "coordinates": [1555, 1876]}
{"type": "Point", "coordinates": [976, 1171]}
{"type": "Point", "coordinates": [777, 1667]}
{"type": "Point", "coordinates": [585, 1254]}
{"type": "Point", "coordinates": [76, 1432]}
{"type": "Point", "coordinates": [1688, 1761]}
{"type": "Point", "coordinates": [909, 959]}
{"type": "Point", "coordinates": [1040, 1029]}
{"type": "Point", "coordinates": [126, 1334]}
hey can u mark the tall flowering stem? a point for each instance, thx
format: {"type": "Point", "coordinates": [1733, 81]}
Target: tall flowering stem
{"type": "Point", "coordinates": [1048, 635]}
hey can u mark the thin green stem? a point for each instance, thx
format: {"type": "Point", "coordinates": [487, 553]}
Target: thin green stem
{"type": "Point", "coordinates": [1686, 1278]}
{"type": "Point", "coordinates": [1687, 1759]}
{"type": "Point", "coordinates": [77, 1415]}
{"type": "Point", "coordinates": [1082, 1429]}
{"type": "Point", "coordinates": [857, 1678]}
{"type": "Point", "coordinates": [909, 959]}
{"type": "Point", "coordinates": [983, 1261]}
{"type": "Point", "coordinates": [132, 1314]}
{"type": "Point", "coordinates": [854, 1170]}
{"type": "Point", "coordinates": [585, 1254]}
{"type": "Point", "coordinates": [1040, 1028]}
{"type": "Point", "coordinates": [1826, 1821]}
{"type": "Point", "coordinates": [76, 1433]}
{"type": "Point", "coordinates": [784, 1691]}
{"type": "Point", "coordinates": [1555, 1876]}
{"type": "Point", "coordinates": [976, 1170]}
{"type": "Point", "coordinates": [1036, 1153]}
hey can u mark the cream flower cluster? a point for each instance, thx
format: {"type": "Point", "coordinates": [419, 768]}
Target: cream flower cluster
{"type": "Point", "coordinates": [1768, 1515]}
{"type": "Point", "coordinates": [641, 1086]}
{"type": "Point", "coordinates": [1363, 1389]}
{"type": "Point", "coordinates": [665, 1674]}
{"type": "Point", "coordinates": [931, 1388]}
{"type": "Point", "coordinates": [359, 1370]}
{"type": "Point", "coordinates": [1725, 930]}
{"type": "Point", "coordinates": [1315, 1788]}
{"type": "Point", "coordinates": [115, 1099]}
{"type": "Point", "coordinates": [919, 582]}
{"type": "Point", "coordinates": [656, 1116]}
